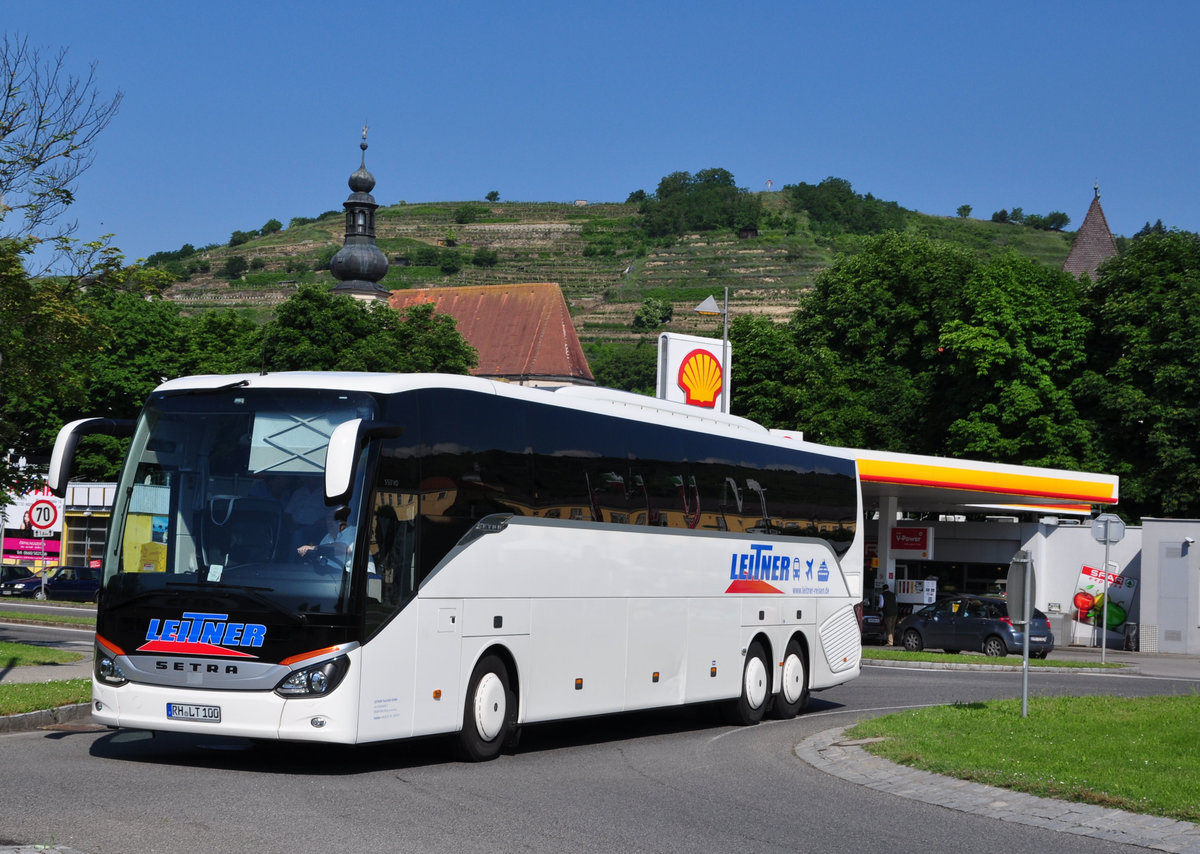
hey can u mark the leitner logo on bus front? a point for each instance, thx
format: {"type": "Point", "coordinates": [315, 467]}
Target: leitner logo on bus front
{"type": "Point", "coordinates": [199, 633]}
{"type": "Point", "coordinates": [753, 571]}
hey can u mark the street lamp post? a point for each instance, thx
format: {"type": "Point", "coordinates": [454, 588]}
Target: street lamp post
{"type": "Point", "coordinates": [710, 309]}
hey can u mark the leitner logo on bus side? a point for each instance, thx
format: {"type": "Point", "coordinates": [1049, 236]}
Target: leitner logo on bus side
{"type": "Point", "coordinates": [753, 571]}
{"type": "Point", "coordinates": [203, 634]}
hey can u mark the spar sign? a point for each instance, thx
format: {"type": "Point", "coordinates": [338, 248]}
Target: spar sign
{"type": "Point", "coordinates": [1093, 592]}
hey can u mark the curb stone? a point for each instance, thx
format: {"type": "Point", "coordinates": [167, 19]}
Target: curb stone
{"type": "Point", "coordinates": [830, 752]}
{"type": "Point", "coordinates": [46, 717]}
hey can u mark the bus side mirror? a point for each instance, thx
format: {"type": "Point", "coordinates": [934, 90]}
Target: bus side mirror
{"type": "Point", "coordinates": [68, 440]}
{"type": "Point", "coordinates": [341, 457]}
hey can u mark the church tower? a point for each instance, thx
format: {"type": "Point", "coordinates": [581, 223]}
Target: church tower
{"type": "Point", "coordinates": [1094, 243]}
{"type": "Point", "coordinates": [360, 264]}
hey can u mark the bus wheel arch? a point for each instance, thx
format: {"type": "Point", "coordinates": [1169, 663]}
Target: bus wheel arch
{"type": "Point", "coordinates": [490, 707]}
{"type": "Point", "coordinates": [792, 698]}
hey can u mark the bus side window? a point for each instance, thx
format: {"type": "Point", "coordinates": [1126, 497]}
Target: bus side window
{"type": "Point", "coordinates": [393, 545]}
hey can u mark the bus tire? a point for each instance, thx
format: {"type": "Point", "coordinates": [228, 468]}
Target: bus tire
{"type": "Point", "coordinates": [749, 708]}
{"type": "Point", "coordinates": [793, 688]}
{"type": "Point", "coordinates": [490, 712]}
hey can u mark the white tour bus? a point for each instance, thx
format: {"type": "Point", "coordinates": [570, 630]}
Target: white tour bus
{"type": "Point", "coordinates": [359, 557]}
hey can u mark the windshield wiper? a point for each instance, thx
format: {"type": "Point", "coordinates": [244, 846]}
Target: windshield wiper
{"type": "Point", "coordinates": [213, 390]}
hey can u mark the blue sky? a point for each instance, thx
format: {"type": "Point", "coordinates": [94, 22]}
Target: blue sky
{"type": "Point", "coordinates": [237, 113]}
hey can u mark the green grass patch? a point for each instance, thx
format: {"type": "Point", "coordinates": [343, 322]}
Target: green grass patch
{"type": "Point", "coordinates": [1135, 754]}
{"type": "Point", "coordinates": [22, 697]}
{"type": "Point", "coordinates": [85, 619]}
{"type": "Point", "coordinates": [893, 654]}
{"type": "Point", "coordinates": [26, 655]}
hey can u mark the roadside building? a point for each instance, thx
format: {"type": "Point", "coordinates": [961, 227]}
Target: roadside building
{"type": "Point", "coordinates": [523, 333]}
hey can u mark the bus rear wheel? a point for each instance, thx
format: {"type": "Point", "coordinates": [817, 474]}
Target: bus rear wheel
{"type": "Point", "coordinates": [490, 712]}
{"type": "Point", "coordinates": [793, 689]}
{"type": "Point", "coordinates": [751, 705]}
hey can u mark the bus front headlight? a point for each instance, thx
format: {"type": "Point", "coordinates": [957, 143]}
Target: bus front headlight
{"type": "Point", "coordinates": [107, 670]}
{"type": "Point", "coordinates": [314, 680]}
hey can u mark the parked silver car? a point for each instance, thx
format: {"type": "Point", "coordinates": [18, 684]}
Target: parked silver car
{"type": "Point", "coordinates": [976, 623]}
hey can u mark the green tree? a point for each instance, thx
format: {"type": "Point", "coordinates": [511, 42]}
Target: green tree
{"type": "Point", "coordinates": [49, 121]}
{"type": "Point", "coordinates": [1057, 220]}
{"type": "Point", "coordinates": [707, 201]}
{"type": "Point", "coordinates": [41, 327]}
{"type": "Point", "coordinates": [1157, 228]}
{"type": "Point", "coordinates": [485, 257]}
{"type": "Point", "coordinates": [625, 365]}
{"type": "Point", "coordinates": [220, 342]}
{"type": "Point", "coordinates": [466, 214]}
{"type": "Point", "coordinates": [652, 313]}
{"type": "Point", "coordinates": [763, 387]}
{"type": "Point", "coordinates": [449, 262]}
{"type": "Point", "coordinates": [235, 266]}
{"type": "Point", "coordinates": [317, 330]}
{"type": "Point", "coordinates": [270, 227]}
{"type": "Point", "coordinates": [963, 211]}
{"type": "Point", "coordinates": [1013, 349]}
{"type": "Point", "coordinates": [867, 337]}
{"type": "Point", "coordinates": [834, 208]}
{"type": "Point", "coordinates": [120, 346]}
{"type": "Point", "coordinates": [493, 196]}
{"type": "Point", "coordinates": [426, 256]}
{"type": "Point", "coordinates": [1142, 392]}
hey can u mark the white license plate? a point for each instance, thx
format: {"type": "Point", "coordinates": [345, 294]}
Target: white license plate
{"type": "Point", "coordinates": [1038, 639]}
{"type": "Point", "coordinates": [189, 712]}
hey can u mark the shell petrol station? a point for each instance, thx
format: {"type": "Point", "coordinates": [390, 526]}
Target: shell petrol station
{"type": "Point", "coordinates": [939, 526]}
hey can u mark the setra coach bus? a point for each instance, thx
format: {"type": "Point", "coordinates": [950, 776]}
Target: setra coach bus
{"type": "Point", "coordinates": [352, 557]}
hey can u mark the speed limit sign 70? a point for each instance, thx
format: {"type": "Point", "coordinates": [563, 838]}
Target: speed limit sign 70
{"type": "Point", "coordinates": [43, 514]}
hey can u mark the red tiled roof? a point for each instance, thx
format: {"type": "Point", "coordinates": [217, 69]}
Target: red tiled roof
{"type": "Point", "coordinates": [522, 332]}
{"type": "Point", "coordinates": [1093, 244]}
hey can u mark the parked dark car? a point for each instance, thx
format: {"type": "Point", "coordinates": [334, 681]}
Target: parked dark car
{"type": "Point", "coordinates": [976, 623]}
{"type": "Point", "coordinates": [14, 572]}
{"type": "Point", "coordinates": [80, 583]}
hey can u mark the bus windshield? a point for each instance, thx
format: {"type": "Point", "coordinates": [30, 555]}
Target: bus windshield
{"type": "Point", "coordinates": [223, 494]}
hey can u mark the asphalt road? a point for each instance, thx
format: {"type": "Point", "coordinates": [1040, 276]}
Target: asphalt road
{"type": "Point", "coordinates": [662, 782]}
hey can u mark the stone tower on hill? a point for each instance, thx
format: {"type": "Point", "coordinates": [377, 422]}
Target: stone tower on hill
{"type": "Point", "coordinates": [1094, 244]}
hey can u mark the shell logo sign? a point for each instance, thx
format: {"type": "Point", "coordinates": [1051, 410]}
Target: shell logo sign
{"type": "Point", "coordinates": [690, 371]}
{"type": "Point", "coordinates": [700, 378]}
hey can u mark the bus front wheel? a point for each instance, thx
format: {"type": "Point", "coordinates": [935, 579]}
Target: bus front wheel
{"type": "Point", "coordinates": [750, 707]}
{"type": "Point", "coordinates": [490, 713]}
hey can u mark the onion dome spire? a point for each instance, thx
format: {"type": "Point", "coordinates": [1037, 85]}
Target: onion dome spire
{"type": "Point", "coordinates": [360, 264]}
